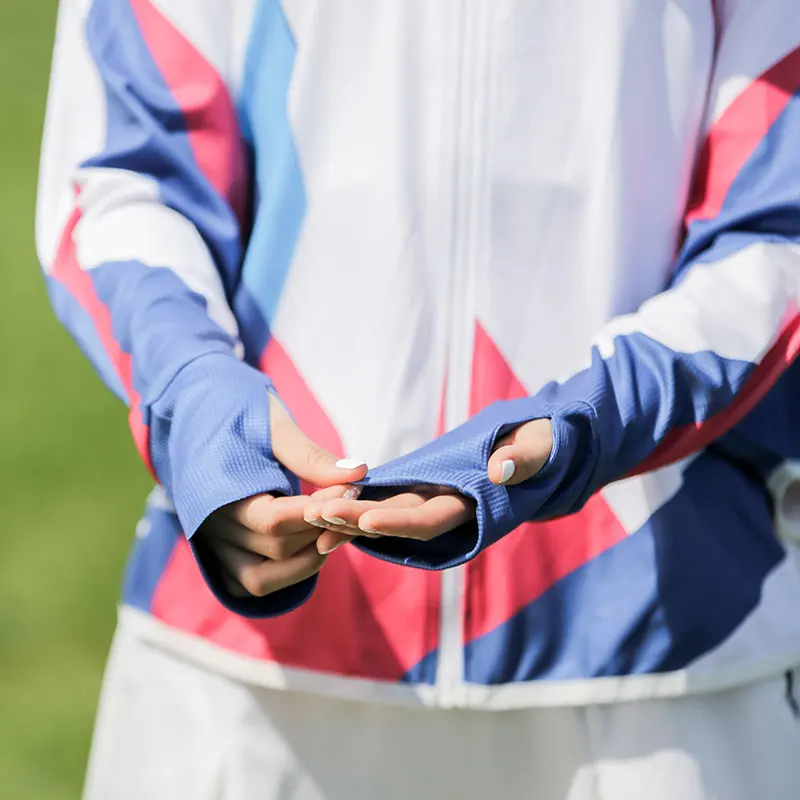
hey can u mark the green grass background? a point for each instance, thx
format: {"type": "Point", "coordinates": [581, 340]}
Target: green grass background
{"type": "Point", "coordinates": [71, 486]}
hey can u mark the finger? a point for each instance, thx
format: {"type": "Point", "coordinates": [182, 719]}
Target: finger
{"type": "Point", "coordinates": [313, 515]}
{"type": "Point", "coordinates": [341, 519]}
{"type": "Point", "coordinates": [232, 585]}
{"type": "Point", "coordinates": [278, 516]}
{"type": "Point", "coordinates": [311, 463]}
{"type": "Point", "coordinates": [346, 491]}
{"type": "Point", "coordinates": [210, 545]}
{"type": "Point", "coordinates": [433, 518]}
{"type": "Point", "coordinates": [276, 547]}
{"type": "Point", "coordinates": [520, 455]}
{"type": "Point", "coordinates": [346, 513]}
{"type": "Point", "coordinates": [329, 541]}
{"type": "Point", "coordinates": [262, 511]}
{"type": "Point", "coordinates": [260, 576]}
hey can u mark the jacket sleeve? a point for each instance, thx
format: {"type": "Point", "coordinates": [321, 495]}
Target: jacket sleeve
{"type": "Point", "coordinates": [142, 199]}
{"type": "Point", "coordinates": [666, 381]}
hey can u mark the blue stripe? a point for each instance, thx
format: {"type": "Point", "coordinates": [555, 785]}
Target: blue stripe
{"type": "Point", "coordinates": [149, 558]}
{"type": "Point", "coordinates": [424, 671]}
{"type": "Point", "coordinates": [656, 601]}
{"type": "Point", "coordinates": [146, 131]}
{"type": "Point", "coordinates": [770, 433]}
{"type": "Point", "coordinates": [644, 390]}
{"type": "Point", "coordinates": [763, 202]}
{"type": "Point", "coordinates": [253, 330]}
{"type": "Point", "coordinates": [281, 195]}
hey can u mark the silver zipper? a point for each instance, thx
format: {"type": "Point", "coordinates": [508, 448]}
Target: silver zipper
{"type": "Point", "coordinates": [450, 665]}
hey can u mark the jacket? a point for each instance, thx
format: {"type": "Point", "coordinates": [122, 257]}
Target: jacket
{"type": "Point", "coordinates": [421, 223]}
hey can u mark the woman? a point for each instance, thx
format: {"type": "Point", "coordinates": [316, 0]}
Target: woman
{"type": "Point", "coordinates": [288, 234]}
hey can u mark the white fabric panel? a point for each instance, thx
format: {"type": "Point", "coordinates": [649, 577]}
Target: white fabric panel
{"type": "Point", "coordinates": [242, 11]}
{"type": "Point", "coordinates": [706, 311]}
{"type": "Point", "coordinates": [773, 620]}
{"type": "Point", "coordinates": [755, 35]}
{"type": "Point", "coordinates": [577, 232]}
{"type": "Point", "coordinates": [74, 127]}
{"type": "Point", "coordinates": [124, 220]}
{"type": "Point", "coordinates": [372, 257]}
{"type": "Point", "coordinates": [635, 500]}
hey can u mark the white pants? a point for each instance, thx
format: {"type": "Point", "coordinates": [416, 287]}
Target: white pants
{"type": "Point", "coordinates": [168, 730]}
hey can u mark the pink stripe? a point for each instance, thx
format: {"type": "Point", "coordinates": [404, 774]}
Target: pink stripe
{"type": "Point", "coordinates": [336, 631]}
{"type": "Point", "coordinates": [733, 139]}
{"type": "Point", "coordinates": [67, 270]}
{"type": "Point", "coordinates": [294, 392]}
{"type": "Point", "coordinates": [399, 601]}
{"type": "Point", "coordinates": [522, 566]}
{"type": "Point", "coordinates": [682, 442]}
{"type": "Point", "coordinates": [441, 423]}
{"type": "Point", "coordinates": [203, 97]}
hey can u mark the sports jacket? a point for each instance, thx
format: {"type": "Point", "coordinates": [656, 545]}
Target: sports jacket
{"type": "Point", "coordinates": [416, 217]}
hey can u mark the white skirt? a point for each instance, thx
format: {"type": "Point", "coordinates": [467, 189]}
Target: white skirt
{"type": "Point", "coordinates": [169, 730]}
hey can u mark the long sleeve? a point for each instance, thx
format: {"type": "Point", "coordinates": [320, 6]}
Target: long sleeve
{"type": "Point", "coordinates": [142, 204]}
{"type": "Point", "coordinates": [666, 381]}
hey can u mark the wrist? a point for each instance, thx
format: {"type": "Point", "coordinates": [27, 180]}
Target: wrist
{"type": "Point", "coordinates": [210, 438]}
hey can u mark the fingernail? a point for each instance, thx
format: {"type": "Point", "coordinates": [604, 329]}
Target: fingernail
{"type": "Point", "coordinates": [350, 463]}
{"type": "Point", "coordinates": [353, 493]}
{"type": "Point", "coordinates": [314, 517]}
{"type": "Point", "coordinates": [370, 531]}
{"type": "Point", "coordinates": [507, 470]}
{"type": "Point", "coordinates": [335, 520]}
{"type": "Point", "coordinates": [328, 552]}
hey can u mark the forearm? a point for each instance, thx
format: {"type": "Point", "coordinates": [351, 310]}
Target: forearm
{"type": "Point", "coordinates": [142, 189]}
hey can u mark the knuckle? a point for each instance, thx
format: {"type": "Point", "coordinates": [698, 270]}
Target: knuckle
{"type": "Point", "coordinates": [268, 521]}
{"type": "Point", "coordinates": [280, 549]}
{"type": "Point", "coordinates": [255, 583]}
{"type": "Point", "coordinates": [315, 457]}
{"type": "Point", "coordinates": [244, 512]}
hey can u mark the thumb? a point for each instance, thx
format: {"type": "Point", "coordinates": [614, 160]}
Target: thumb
{"type": "Point", "coordinates": [518, 456]}
{"type": "Point", "coordinates": [310, 462]}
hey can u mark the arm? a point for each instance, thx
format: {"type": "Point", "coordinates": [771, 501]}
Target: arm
{"type": "Point", "coordinates": [143, 194]}
{"type": "Point", "coordinates": [664, 382]}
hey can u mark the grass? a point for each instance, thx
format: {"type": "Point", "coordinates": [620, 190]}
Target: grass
{"type": "Point", "coordinates": [71, 487]}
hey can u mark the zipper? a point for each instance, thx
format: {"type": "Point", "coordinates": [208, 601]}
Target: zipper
{"type": "Point", "coordinates": [450, 688]}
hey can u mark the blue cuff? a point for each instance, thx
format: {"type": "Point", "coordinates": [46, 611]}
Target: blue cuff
{"type": "Point", "coordinates": [210, 446]}
{"type": "Point", "coordinates": [459, 460]}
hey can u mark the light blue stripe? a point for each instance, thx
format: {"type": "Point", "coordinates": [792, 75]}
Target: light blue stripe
{"type": "Point", "coordinates": [280, 193]}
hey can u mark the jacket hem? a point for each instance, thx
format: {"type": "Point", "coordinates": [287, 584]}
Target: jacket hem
{"type": "Point", "coordinates": [504, 697]}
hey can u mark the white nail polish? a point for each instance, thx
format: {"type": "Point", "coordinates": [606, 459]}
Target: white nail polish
{"type": "Point", "coordinates": [349, 463]}
{"type": "Point", "coordinates": [353, 493]}
{"type": "Point", "coordinates": [507, 470]}
{"type": "Point", "coordinates": [335, 520]}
